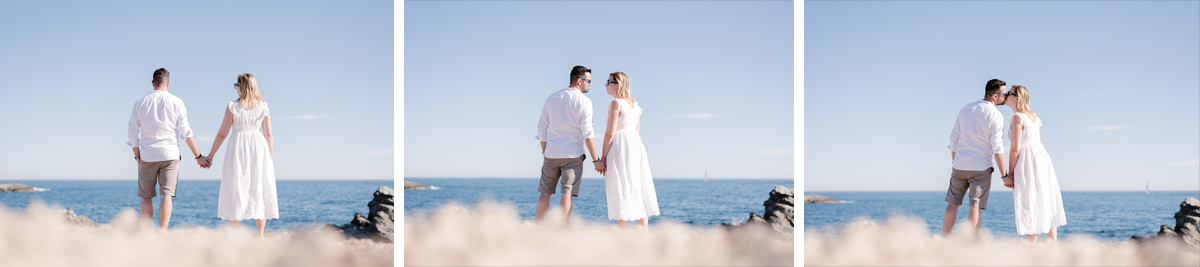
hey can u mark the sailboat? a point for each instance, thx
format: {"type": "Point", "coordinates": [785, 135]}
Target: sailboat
{"type": "Point", "coordinates": [706, 176]}
{"type": "Point", "coordinates": [1147, 188]}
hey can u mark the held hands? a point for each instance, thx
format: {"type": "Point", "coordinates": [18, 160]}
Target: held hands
{"type": "Point", "coordinates": [205, 162]}
{"type": "Point", "coordinates": [1008, 180]}
{"type": "Point", "coordinates": [600, 167]}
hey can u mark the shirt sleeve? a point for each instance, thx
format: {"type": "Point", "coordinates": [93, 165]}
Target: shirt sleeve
{"type": "Point", "coordinates": [543, 123]}
{"type": "Point", "coordinates": [996, 126]}
{"type": "Point", "coordinates": [586, 124]}
{"type": "Point", "coordinates": [181, 126]}
{"type": "Point", "coordinates": [954, 137]}
{"type": "Point", "coordinates": [135, 128]}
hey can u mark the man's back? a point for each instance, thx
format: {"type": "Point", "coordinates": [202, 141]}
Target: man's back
{"type": "Point", "coordinates": [158, 120]}
{"type": "Point", "coordinates": [565, 122]}
{"type": "Point", "coordinates": [976, 136]}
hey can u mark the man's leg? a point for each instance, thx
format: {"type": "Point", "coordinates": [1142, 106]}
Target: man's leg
{"type": "Point", "coordinates": [543, 204]}
{"type": "Point", "coordinates": [949, 218]}
{"type": "Point", "coordinates": [164, 212]}
{"type": "Point", "coordinates": [566, 204]}
{"type": "Point", "coordinates": [147, 211]}
{"type": "Point", "coordinates": [973, 218]}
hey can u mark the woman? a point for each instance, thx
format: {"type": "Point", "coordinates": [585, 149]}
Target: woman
{"type": "Point", "coordinates": [627, 179]}
{"type": "Point", "coordinates": [248, 174]}
{"type": "Point", "coordinates": [1037, 200]}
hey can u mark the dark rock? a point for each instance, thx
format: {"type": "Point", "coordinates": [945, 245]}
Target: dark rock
{"type": "Point", "coordinates": [1186, 230]}
{"type": "Point", "coordinates": [779, 211]}
{"type": "Point", "coordinates": [379, 223]}
{"type": "Point", "coordinates": [76, 219]}
{"type": "Point", "coordinates": [15, 187]}
{"type": "Point", "coordinates": [1187, 222]}
{"type": "Point", "coordinates": [819, 199]}
{"type": "Point", "coordinates": [415, 186]}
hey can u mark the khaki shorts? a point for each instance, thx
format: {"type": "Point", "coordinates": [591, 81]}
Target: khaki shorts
{"type": "Point", "coordinates": [165, 173]}
{"type": "Point", "coordinates": [979, 183]}
{"type": "Point", "coordinates": [570, 171]}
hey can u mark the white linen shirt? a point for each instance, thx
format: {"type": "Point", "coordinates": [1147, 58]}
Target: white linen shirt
{"type": "Point", "coordinates": [977, 136]}
{"type": "Point", "coordinates": [158, 121]}
{"type": "Point", "coordinates": [566, 121]}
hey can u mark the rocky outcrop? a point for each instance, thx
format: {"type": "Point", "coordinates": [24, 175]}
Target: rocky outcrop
{"type": "Point", "coordinates": [379, 224]}
{"type": "Point", "coordinates": [819, 199]}
{"type": "Point", "coordinates": [415, 186]}
{"type": "Point", "coordinates": [779, 214]}
{"type": "Point", "coordinates": [76, 219]}
{"type": "Point", "coordinates": [15, 187]}
{"type": "Point", "coordinates": [1187, 225]}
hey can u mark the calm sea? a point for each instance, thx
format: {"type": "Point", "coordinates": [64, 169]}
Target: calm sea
{"type": "Point", "coordinates": [690, 201]}
{"type": "Point", "coordinates": [302, 204]}
{"type": "Point", "coordinates": [1109, 215]}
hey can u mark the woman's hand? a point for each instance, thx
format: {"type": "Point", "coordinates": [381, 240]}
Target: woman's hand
{"type": "Point", "coordinates": [1008, 180]}
{"type": "Point", "coordinates": [600, 167]}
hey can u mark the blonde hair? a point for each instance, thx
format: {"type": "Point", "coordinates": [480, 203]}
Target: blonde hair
{"type": "Point", "coordinates": [248, 91]}
{"type": "Point", "coordinates": [1022, 105]}
{"type": "Point", "coordinates": [622, 86]}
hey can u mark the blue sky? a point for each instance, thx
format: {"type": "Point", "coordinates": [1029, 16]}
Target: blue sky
{"type": "Point", "coordinates": [715, 81]}
{"type": "Point", "coordinates": [1116, 82]}
{"type": "Point", "coordinates": [69, 73]}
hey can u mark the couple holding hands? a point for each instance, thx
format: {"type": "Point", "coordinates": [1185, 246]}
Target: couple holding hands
{"type": "Point", "coordinates": [247, 191]}
{"type": "Point", "coordinates": [565, 128]}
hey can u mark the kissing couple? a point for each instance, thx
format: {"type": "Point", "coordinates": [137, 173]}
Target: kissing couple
{"type": "Point", "coordinates": [977, 138]}
{"type": "Point", "coordinates": [247, 191]}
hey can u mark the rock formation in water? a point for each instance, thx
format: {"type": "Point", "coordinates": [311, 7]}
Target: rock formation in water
{"type": "Point", "coordinates": [76, 219]}
{"type": "Point", "coordinates": [1187, 225]}
{"type": "Point", "coordinates": [818, 199]}
{"type": "Point", "coordinates": [15, 187]}
{"type": "Point", "coordinates": [414, 186]}
{"type": "Point", "coordinates": [379, 224]}
{"type": "Point", "coordinates": [780, 213]}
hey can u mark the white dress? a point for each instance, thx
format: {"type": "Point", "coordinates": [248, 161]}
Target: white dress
{"type": "Point", "coordinates": [627, 180]}
{"type": "Point", "coordinates": [248, 172]}
{"type": "Point", "coordinates": [1037, 200]}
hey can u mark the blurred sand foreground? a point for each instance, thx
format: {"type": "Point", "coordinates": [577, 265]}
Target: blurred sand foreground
{"type": "Point", "coordinates": [493, 234]}
{"type": "Point", "coordinates": [40, 237]}
{"type": "Point", "coordinates": [902, 241]}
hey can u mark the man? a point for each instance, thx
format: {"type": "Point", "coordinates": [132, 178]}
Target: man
{"type": "Point", "coordinates": [564, 128]}
{"type": "Point", "coordinates": [975, 140]}
{"type": "Point", "coordinates": [158, 119]}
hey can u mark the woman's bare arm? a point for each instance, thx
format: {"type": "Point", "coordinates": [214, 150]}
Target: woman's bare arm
{"type": "Point", "coordinates": [221, 134]}
{"type": "Point", "coordinates": [266, 125]}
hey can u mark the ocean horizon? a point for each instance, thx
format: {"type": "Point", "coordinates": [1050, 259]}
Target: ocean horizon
{"type": "Point", "coordinates": [303, 204]}
{"type": "Point", "coordinates": [689, 201]}
{"type": "Point", "coordinates": [1106, 215]}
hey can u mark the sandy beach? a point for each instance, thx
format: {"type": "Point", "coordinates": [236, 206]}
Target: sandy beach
{"type": "Point", "coordinates": [39, 236]}
{"type": "Point", "coordinates": [493, 234]}
{"type": "Point", "coordinates": [902, 241]}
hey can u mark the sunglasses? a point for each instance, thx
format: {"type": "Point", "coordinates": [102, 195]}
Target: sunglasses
{"type": "Point", "coordinates": [611, 82]}
{"type": "Point", "coordinates": [589, 81]}
{"type": "Point", "coordinates": [235, 85]}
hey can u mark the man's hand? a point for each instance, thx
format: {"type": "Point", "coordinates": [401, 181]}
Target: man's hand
{"type": "Point", "coordinates": [1008, 181]}
{"type": "Point", "coordinates": [204, 162]}
{"type": "Point", "coordinates": [600, 167]}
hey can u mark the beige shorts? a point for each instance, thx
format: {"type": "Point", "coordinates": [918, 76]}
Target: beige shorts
{"type": "Point", "coordinates": [566, 171]}
{"type": "Point", "coordinates": [165, 173]}
{"type": "Point", "coordinates": [978, 182]}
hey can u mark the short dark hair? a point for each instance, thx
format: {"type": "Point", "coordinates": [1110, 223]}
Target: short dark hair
{"type": "Point", "coordinates": [161, 75]}
{"type": "Point", "coordinates": [992, 87]}
{"type": "Point", "coordinates": [577, 72]}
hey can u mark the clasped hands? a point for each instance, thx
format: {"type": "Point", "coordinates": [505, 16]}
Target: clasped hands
{"type": "Point", "coordinates": [1008, 180]}
{"type": "Point", "coordinates": [204, 161]}
{"type": "Point", "coordinates": [600, 167]}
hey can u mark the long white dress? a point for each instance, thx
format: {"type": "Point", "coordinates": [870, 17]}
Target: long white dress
{"type": "Point", "coordinates": [248, 172]}
{"type": "Point", "coordinates": [627, 180]}
{"type": "Point", "coordinates": [1037, 200]}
